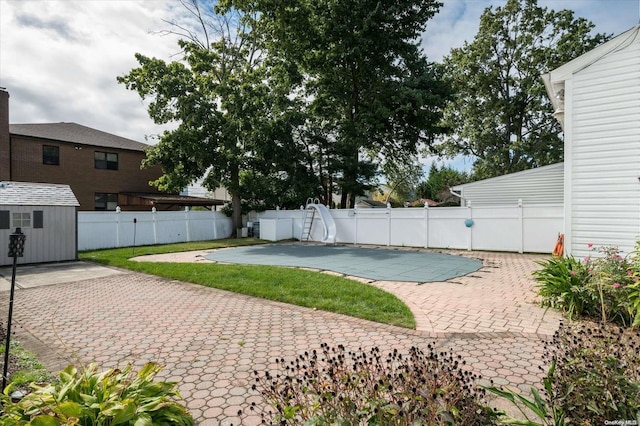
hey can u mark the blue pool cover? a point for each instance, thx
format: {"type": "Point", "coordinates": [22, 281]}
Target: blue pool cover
{"type": "Point", "coordinates": [380, 264]}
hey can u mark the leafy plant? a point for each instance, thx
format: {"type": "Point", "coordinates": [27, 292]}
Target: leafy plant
{"type": "Point", "coordinates": [605, 286]}
{"type": "Point", "coordinates": [597, 376]}
{"type": "Point", "coordinates": [562, 285]}
{"type": "Point", "coordinates": [88, 397]}
{"type": "Point", "coordinates": [547, 413]}
{"type": "Point", "coordinates": [594, 376]}
{"type": "Point", "coordinates": [334, 386]}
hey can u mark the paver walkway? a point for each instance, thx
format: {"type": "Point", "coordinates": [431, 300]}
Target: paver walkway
{"type": "Point", "coordinates": [210, 340]}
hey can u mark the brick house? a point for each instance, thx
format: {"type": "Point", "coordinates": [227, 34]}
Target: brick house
{"type": "Point", "coordinates": [102, 169]}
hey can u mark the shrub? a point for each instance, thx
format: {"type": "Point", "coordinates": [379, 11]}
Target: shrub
{"type": "Point", "coordinates": [86, 397]}
{"type": "Point", "coordinates": [334, 386]}
{"type": "Point", "coordinates": [562, 285]}
{"type": "Point", "coordinates": [605, 287]}
{"type": "Point", "coordinates": [597, 375]}
{"type": "Point", "coordinates": [594, 377]}
{"type": "Point", "coordinates": [612, 275]}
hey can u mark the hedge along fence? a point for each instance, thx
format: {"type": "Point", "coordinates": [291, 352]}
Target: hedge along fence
{"type": "Point", "coordinates": [98, 230]}
{"type": "Point", "coordinates": [517, 228]}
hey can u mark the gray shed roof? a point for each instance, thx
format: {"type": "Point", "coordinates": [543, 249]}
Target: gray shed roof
{"type": "Point", "coordinates": [36, 194]}
{"type": "Point", "coordinates": [75, 133]}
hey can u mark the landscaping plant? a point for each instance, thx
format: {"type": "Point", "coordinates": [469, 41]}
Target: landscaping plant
{"type": "Point", "coordinates": [594, 377]}
{"type": "Point", "coordinates": [334, 386]}
{"type": "Point", "coordinates": [605, 286]}
{"type": "Point", "coordinates": [86, 397]}
{"type": "Point", "coordinates": [562, 285]}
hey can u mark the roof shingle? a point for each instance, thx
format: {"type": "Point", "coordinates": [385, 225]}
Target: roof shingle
{"type": "Point", "coordinates": [75, 133]}
{"type": "Point", "coordinates": [36, 194]}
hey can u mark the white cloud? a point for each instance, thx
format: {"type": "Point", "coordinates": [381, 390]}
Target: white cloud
{"type": "Point", "coordinates": [59, 59]}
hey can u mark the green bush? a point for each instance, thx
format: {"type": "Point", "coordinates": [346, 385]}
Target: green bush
{"type": "Point", "coordinates": [337, 387]}
{"type": "Point", "coordinates": [562, 285]}
{"type": "Point", "coordinates": [86, 397]}
{"type": "Point", "coordinates": [594, 377]}
{"type": "Point", "coordinates": [606, 286]}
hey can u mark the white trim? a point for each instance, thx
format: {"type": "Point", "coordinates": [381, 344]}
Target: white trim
{"type": "Point", "coordinates": [568, 164]}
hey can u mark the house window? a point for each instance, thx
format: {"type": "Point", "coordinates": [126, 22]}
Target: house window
{"type": "Point", "coordinates": [104, 201]}
{"type": "Point", "coordinates": [51, 155]}
{"type": "Point", "coordinates": [21, 220]}
{"type": "Point", "coordinates": [106, 160]}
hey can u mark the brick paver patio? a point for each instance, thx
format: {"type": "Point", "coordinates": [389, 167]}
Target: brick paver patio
{"type": "Point", "coordinates": [210, 340]}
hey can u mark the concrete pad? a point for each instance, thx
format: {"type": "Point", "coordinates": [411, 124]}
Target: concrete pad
{"type": "Point", "coordinates": [30, 276]}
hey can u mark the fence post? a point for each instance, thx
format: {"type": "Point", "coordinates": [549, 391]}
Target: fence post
{"type": "Point", "coordinates": [521, 220]}
{"type": "Point", "coordinates": [355, 224]}
{"type": "Point", "coordinates": [118, 209]}
{"type": "Point", "coordinates": [426, 225]}
{"type": "Point", "coordinates": [470, 217]}
{"type": "Point", "coordinates": [154, 223]}
{"type": "Point", "coordinates": [388, 224]}
{"type": "Point", "coordinates": [186, 216]}
{"type": "Point", "coordinates": [215, 225]}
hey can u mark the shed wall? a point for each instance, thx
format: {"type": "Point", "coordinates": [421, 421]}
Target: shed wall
{"type": "Point", "coordinates": [605, 153]}
{"type": "Point", "coordinates": [56, 241]}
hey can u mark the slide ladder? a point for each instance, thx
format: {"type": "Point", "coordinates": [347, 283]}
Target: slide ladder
{"type": "Point", "coordinates": [328, 224]}
{"type": "Point", "coordinates": [306, 224]}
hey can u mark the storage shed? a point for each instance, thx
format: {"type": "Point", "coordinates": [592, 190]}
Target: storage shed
{"type": "Point", "coordinates": [539, 186]}
{"type": "Point", "coordinates": [47, 215]}
{"type": "Point", "coordinates": [597, 100]}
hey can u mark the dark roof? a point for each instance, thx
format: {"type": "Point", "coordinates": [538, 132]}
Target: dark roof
{"type": "Point", "coordinates": [171, 199]}
{"type": "Point", "coordinates": [75, 133]}
{"type": "Point", "coordinates": [372, 203]}
{"type": "Point", "coordinates": [36, 194]}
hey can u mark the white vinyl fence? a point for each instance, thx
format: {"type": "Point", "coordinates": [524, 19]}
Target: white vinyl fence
{"type": "Point", "coordinates": [98, 230]}
{"type": "Point", "coordinates": [532, 229]}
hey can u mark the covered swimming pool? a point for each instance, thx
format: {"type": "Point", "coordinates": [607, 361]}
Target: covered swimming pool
{"type": "Point", "coordinates": [379, 264]}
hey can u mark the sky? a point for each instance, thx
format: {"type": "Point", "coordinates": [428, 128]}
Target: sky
{"type": "Point", "coordinates": [59, 59]}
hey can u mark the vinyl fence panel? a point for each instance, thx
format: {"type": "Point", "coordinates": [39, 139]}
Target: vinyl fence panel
{"type": "Point", "coordinates": [98, 230]}
{"type": "Point", "coordinates": [514, 228]}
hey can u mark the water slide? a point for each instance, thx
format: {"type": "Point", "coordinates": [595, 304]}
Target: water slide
{"type": "Point", "coordinates": [328, 223]}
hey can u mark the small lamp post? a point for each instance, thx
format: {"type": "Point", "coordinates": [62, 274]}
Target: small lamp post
{"type": "Point", "coordinates": [16, 249]}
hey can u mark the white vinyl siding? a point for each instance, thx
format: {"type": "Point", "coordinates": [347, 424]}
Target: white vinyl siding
{"type": "Point", "coordinates": [540, 186]}
{"type": "Point", "coordinates": [54, 242]}
{"type": "Point", "coordinates": [605, 152]}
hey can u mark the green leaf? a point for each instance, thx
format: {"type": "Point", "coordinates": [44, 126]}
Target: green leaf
{"type": "Point", "coordinates": [143, 419]}
{"type": "Point", "coordinates": [125, 414]}
{"type": "Point", "coordinates": [69, 409]}
{"type": "Point", "coordinates": [44, 420]}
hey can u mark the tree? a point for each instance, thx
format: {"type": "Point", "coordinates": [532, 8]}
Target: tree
{"type": "Point", "coordinates": [363, 77]}
{"type": "Point", "coordinates": [437, 185]}
{"type": "Point", "coordinates": [500, 113]}
{"type": "Point", "coordinates": [234, 117]}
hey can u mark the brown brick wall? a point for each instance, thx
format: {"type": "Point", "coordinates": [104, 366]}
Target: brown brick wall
{"type": "Point", "coordinates": [77, 169]}
{"type": "Point", "coordinates": [5, 164]}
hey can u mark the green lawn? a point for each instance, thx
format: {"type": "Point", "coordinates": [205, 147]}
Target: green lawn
{"type": "Point", "coordinates": [295, 286]}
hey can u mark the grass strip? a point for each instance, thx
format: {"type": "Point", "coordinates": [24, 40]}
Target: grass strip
{"type": "Point", "coordinates": [289, 285]}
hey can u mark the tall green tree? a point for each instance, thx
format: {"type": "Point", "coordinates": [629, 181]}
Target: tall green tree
{"type": "Point", "coordinates": [363, 76]}
{"type": "Point", "coordinates": [440, 179]}
{"type": "Point", "coordinates": [501, 113]}
{"type": "Point", "coordinates": [230, 103]}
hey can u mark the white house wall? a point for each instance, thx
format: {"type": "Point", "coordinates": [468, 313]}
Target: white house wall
{"type": "Point", "coordinates": [539, 186]}
{"type": "Point", "coordinates": [604, 167]}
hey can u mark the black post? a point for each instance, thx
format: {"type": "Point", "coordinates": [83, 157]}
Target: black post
{"type": "Point", "coordinates": [133, 249]}
{"type": "Point", "coordinates": [16, 249]}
